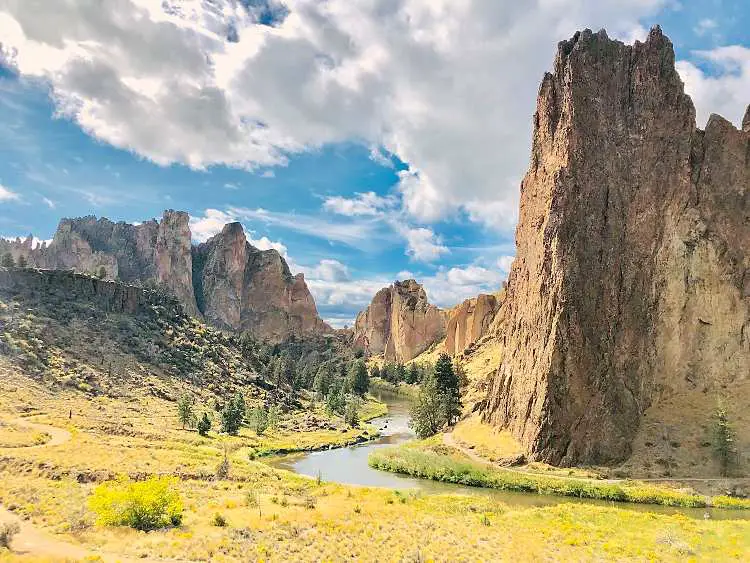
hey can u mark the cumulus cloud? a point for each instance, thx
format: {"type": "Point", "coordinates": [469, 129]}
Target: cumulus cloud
{"type": "Point", "coordinates": [7, 195]}
{"type": "Point", "coordinates": [725, 91]}
{"type": "Point", "coordinates": [423, 245]}
{"type": "Point", "coordinates": [446, 86]}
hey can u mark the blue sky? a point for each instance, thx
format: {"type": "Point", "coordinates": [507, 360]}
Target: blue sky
{"type": "Point", "coordinates": [366, 144]}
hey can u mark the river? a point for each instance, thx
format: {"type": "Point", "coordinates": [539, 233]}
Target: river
{"type": "Point", "coordinates": [349, 466]}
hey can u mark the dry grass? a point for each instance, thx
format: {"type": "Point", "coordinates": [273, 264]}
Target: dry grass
{"type": "Point", "coordinates": [14, 436]}
{"type": "Point", "coordinates": [487, 441]}
{"type": "Point", "coordinates": [276, 516]}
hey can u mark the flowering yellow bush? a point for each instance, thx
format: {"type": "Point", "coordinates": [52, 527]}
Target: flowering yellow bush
{"type": "Point", "coordinates": [146, 505]}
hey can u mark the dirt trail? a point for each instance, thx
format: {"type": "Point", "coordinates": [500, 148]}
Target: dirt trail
{"type": "Point", "coordinates": [57, 435]}
{"type": "Point", "coordinates": [33, 541]}
{"type": "Point", "coordinates": [450, 441]}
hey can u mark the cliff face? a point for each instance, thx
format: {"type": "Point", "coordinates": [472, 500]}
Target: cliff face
{"type": "Point", "coordinates": [242, 288]}
{"type": "Point", "coordinates": [468, 322]}
{"type": "Point", "coordinates": [399, 323]}
{"type": "Point", "coordinates": [234, 285]}
{"type": "Point", "coordinates": [632, 274]}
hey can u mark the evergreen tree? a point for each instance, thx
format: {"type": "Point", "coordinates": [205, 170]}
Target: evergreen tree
{"type": "Point", "coordinates": [102, 273]}
{"type": "Point", "coordinates": [322, 382]}
{"type": "Point", "coordinates": [447, 384]}
{"type": "Point", "coordinates": [258, 419]}
{"type": "Point", "coordinates": [274, 417]}
{"type": "Point", "coordinates": [724, 440]}
{"type": "Point", "coordinates": [335, 402]}
{"type": "Point", "coordinates": [375, 371]}
{"type": "Point", "coordinates": [413, 374]}
{"type": "Point", "coordinates": [427, 411]}
{"type": "Point", "coordinates": [204, 425]}
{"type": "Point", "coordinates": [351, 412]}
{"type": "Point", "coordinates": [185, 411]}
{"type": "Point", "coordinates": [7, 261]}
{"type": "Point", "coordinates": [233, 415]}
{"type": "Point", "coordinates": [359, 379]}
{"type": "Point", "coordinates": [400, 373]}
{"type": "Point", "coordinates": [22, 262]}
{"type": "Point", "coordinates": [463, 378]}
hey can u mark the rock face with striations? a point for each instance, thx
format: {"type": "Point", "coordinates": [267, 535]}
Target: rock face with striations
{"type": "Point", "coordinates": [632, 273]}
{"type": "Point", "coordinates": [399, 322]}
{"type": "Point", "coordinates": [245, 289]}
{"type": "Point", "coordinates": [234, 285]}
{"type": "Point", "coordinates": [468, 322]}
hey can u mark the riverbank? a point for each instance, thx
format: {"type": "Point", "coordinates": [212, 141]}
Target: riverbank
{"type": "Point", "coordinates": [431, 459]}
{"type": "Point", "coordinates": [380, 385]}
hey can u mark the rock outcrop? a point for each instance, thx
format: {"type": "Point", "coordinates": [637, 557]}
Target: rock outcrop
{"type": "Point", "coordinates": [234, 285]}
{"type": "Point", "coordinates": [632, 273]}
{"type": "Point", "coordinates": [468, 322]}
{"type": "Point", "coordinates": [242, 288]}
{"type": "Point", "coordinates": [399, 322]}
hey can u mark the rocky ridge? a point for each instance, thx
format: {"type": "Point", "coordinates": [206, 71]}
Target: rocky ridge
{"type": "Point", "coordinates": [399, 323]}
{"type": "Point", "coordinates": [234, 285]}
{"type": "Point", "coordinates": [631, 283]}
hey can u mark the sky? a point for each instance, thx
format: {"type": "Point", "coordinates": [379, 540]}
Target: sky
{"type": "Point", "coordinates": [367, 140]}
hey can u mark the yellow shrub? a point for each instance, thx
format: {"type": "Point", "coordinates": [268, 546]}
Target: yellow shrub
{"type": "Point", "coordinates": [145, 505]}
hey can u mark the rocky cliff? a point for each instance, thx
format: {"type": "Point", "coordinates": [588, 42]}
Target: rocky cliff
{"type": "Point", "coordinates": [399, 322]}
{"type": "Point", "coordinates": [234, 285]}
{"type": "Point", "coordinates": [631, 282]}
{"type": "Point", "coordinates": [245, 289]}
{"type": "Point", "coordinates": [468, 322]}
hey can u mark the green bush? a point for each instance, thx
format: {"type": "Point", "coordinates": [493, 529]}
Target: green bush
{"type": "Point", "coordinates": [7, 531]}
{"type": "Point", "coordinates": [144, 505]}
{"type": "Point", "coordinates": [219, 521]}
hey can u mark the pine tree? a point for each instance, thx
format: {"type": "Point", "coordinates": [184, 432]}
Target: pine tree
{"type": "Point", "coordinates": [185, 411]}
{"type": "Point", "coordinates": [447, 384]}
{"type": "Point", "coordinates": [359, 378]}
{"type": "Point", "coordinates": [233, 414]}
{"type": "Point", "coordinates": [204, 425]}
{"type": "Point", "coordinates": [258, 419]}
{"type": "Point", "coordinates": [724, 440]}
{"type": "Point", "coordinates": [22, 262]}
{"type": "Point", "coordinates": [413, 375]}
{"type": "Point", "coordinates": [400, 373]}
{"type": "Point", "coordinates": [7, 261]}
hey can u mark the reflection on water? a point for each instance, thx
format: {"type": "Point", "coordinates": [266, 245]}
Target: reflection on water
{"type": "Point", "coordinates": [349, 466]}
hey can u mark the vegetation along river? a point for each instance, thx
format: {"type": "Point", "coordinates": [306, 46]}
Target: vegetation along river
{"type": "Point", "coordinates": [349, 466]}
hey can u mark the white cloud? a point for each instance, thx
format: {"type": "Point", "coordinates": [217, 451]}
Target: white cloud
{"type": "Point", "coordinates": [7, 195]}
{"type": "Point", "coordinates": [446, 86]}
{"type": "Point", "coordinates": [264, 243]}
{"type": "Point", "coordinates": [449, 287]}
{"type": "Point", "coordinates": [727, 91]}
{"type": "Point", "coordinates": [423, 245]}
{"type": "Point", "coordinates": [48, 202]}
{"type": "Point", "coordinates": [212, 222]}
{"type": "Point", "coordinates": [362, 204]}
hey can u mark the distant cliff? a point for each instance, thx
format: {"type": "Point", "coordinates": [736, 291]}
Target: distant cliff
{"type": "Point", "coordinates": [227, 280]}
{"type": "Point", "coordinates": [469, 321]}
{"type": "Point", "coordinates": [399, 322]}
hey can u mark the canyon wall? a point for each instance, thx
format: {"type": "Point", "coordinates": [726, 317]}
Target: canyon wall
{"type": "Point", "coordinates": [631, 281]}
{"type": "Point", "coordinates": [234, 285]}
{"type": "Point", "coordinates": [469, 321]}
{"type": "Point", "coordinates": [399, 323]}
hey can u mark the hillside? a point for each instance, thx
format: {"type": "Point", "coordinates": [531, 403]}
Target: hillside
{"type": "Point", "coordinates": [225, 280]}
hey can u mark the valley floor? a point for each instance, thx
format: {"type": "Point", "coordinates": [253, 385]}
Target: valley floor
{"type": "Point", "coordinates": [274, 515]}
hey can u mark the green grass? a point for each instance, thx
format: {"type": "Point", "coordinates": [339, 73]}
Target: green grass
{"type": "Point", "coordinates": [434, 462]}
{"type": "Point", "coordinates": [402, 389]}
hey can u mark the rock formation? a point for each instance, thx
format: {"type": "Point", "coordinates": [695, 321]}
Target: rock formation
{"type": "Point", "coordinates": [242, 288]}
{"type": "Point", "coordinates": [399, 322]}
{"type": "Point", "coordinates": [234, 285]}
{"type": "Point", "coordinates": [468, 322]}
{"type": "Point", "coordinates": [632, 274]}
